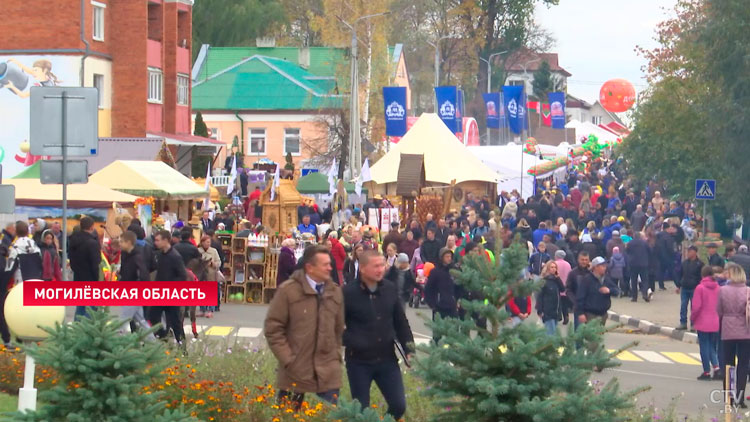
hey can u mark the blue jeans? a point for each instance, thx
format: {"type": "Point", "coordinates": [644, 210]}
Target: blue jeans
{"type": "Point", "coordinates": [82, 312]}
{"type": "Point", "coordinates": [550, 326]}
{"type": "Point", "coordinates": [686, 296]}
{"type": "Point", "coordinates": [709, 346]}
{"type": "Point", "coordinates": [387, 376]}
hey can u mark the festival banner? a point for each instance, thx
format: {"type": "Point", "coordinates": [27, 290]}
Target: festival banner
{"type": "Point", "coordinates": [546, 115]}
{"type": "Point", "coordinates": [494, 109]}
{"type": "Point", "coordinates": [514, 107]}
{"type": "Point", "coordinates": [394, 99]}
{"type": "Point", "coordinates": [557, 109]}
{"type": "Point", "coordinates": [447, 105]}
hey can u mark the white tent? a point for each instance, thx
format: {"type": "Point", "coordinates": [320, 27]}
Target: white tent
{"type": "Point", "coordinates": [512, 163]}
{"type": "Point", "coordinates": [584, 129]}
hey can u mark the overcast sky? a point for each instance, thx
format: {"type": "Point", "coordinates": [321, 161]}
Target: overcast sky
{"type": "Point", "coordinates": [596, 39]}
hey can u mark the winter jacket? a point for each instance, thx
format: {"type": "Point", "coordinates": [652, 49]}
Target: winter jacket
{"type": "Point", "coordinates": [214, 263]}
{"type": "Point", "coordinates": [408, 247]}
{"type": "Point", "coordinates": [170, 266]}
{"type": "Point", "coordinates": [548, 299]}
{"type": "Point", "coordinates": [429, 250]}
{"type": "Point", "coordinates": [51, 270]}
{"type": "Point", "coordinates": [338, 252]}
{"type": "Point", "coordinates": [703, 315]}
{"type": "Point", "coordinates": [374, 321]}
{"type": "Point", "coordinates": [732, 310]}
{"type": "Point", "coordinates": [637, 252]}
{"type": "Point", "coordinates": [588, 297]}
{"type": "Point", "coordinates": [613, 243]}
{"type": "Point", "coordinates": [394, 237]}
{"type": "Point", "coordinates": [187, 251]}
{"type": "Point", "coordinates": [571, 283]}
{"type": "Point", "coordinates": [691, 274]}
{"type": "Point", "coordinates": [133, 266]}
{"type": "Point", "coordinates": [537, 261]}
{"type": "Point", "coordinates": [287, 264]}
{"type": "Point", "coordinates": [616, 266]}
{"type": "Point", "coordinates": [716, 260]}
{"type": "Point", "coordinates": [563, 269]}
{"type": "Point", "coordinates": [85, 256]}
{"type": "Point", "coordinates": [351, 270]}
{"type": "Point", "coordinates": [665, 248]}
{"type": "Point", "coordinates": [303, 330]}
{"type": "Point", "coordinates": [743, 260]}
{"type": "Point", "coordinates": [440, 290]}
{"type": "Point", "coordinates": [409, 282]}
{"type": "Point", "coordinates": [519, 305]}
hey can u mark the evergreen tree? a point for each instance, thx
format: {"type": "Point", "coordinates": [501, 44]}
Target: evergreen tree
{"type": "Point", "coordinates": [519, 373]}
{"type": "Point", "coordinates": [101, 374]}
{"type": "Point", "coordinates": [351, 411]}
{"type": "Point", "coordinates": [289, 163]}
{"type": "Point", "coordinates": [200, 126]}
{"type": "Point", "coordinates": [544, 82]}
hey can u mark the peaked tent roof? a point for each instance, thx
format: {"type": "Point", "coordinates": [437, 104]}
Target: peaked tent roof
{"type": "Point", "coordinates": [32, 193]}
{"type": "Point", "coordinates": [318, 183]}
{"type": "Point", "coordinates": [147, 178]}
{"type": "Point", "coordinates": [445, 157]}
{"type": "Point", "coordinates": [265, 83]}
{"type": "Point", "coordinates": [33, 171]}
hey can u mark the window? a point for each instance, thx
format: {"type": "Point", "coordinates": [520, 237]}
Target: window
{"type": "Point", "coordinates": [213, 133]}
{"type": "Point", "coordinates": [154, 85]}
{"type": "Point", "coordinates": [99, 85]}
{"type": "Point", "coordinates": [597, 120]}
{"type": "Point", "coordinates": [517, 83]}
{"type": "Point", "coordinates": [257, 141]}
{"type": "Point", "coordinates": [183, 89]}
{"type": "Point", "coordinates": [291, 141]}
{"type": "Point", "coordinates": [98, 20]}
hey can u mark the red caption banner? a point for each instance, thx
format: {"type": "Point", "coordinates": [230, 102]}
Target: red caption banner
{"type": "Point", "coordinates": [121, 293]}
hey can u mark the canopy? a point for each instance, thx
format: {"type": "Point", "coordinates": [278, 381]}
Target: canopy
{"type": "Point", "coordinates": [147, 178]}
{"type": "Point", "coordinates": [32, 193]}
{"type": "Point", "coordinates": [318, 183]}
{"type": "Point", "coordinates": [445, 157]}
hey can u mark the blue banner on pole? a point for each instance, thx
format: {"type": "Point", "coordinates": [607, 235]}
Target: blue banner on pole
{"type": "Point", "coordinates": [524, 111]}
{"type": "Point", "coordinates": [557, 109]}
{"type": "Point", "coordinates": [494, 109]}
{"type": "Point", "coordinates": [460, 110]}
{"type": "Point", "coordinates": [394, 99]}
{"type": "Point", "coordinates": [514, 107]}
{"type": "Point", "coordinates": [447, 105]}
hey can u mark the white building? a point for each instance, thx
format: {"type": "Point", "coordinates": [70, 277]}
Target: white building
{"type": "Point", "coordinates": [520, 68]}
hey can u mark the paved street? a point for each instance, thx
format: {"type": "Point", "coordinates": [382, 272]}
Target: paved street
{"type": "Point", "coordinates": [664, 308]}
{"type": "Point", "coordinates": [668, 366]}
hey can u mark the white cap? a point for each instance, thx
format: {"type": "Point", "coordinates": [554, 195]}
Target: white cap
{"type": "Point", "coordinates": [598, 261]}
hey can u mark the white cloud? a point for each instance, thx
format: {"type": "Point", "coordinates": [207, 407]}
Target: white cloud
{"type": "Point", "coordinates": [596, 39]}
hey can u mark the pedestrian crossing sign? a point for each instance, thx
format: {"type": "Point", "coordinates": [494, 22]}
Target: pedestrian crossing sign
{"type": "Point", "coordinates": [705, 189]}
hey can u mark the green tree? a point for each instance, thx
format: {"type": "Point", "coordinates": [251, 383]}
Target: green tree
{"type": "Point", "coordinates": [200, 126]}
{"type": "Point", "coordinates": [545, 82]}
{"type": "Point", "coordinates": [101, 374]}
{"type": "Point", "coordinates": [514, 373]}
{"type": "Point", "coordinates": [231, 23]}
{"type": "Point", "coordinates": [199, 163]}
{"type": "Point", "coordinates": [289, 163]}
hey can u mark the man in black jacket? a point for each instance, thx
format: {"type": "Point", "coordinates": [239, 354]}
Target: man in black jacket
{"type": "Point", "coordinates": [714, 259]}
{"type": "Point", "coordinates": [637, 253]}
{"type": "Point", "coordinates": [430, 247]}
{"type": "Point", "coordinates": [665, 249]}
{"type": "Point", "coordinates": [592, 298]}
{"type": "Point", "coordinates": [185, 248]}
{"type": "Point", "coordinates": [85, 255]}
{"type": "Point", "coordinates": [375, 320]}
{"type": "Point", "coordinates": [169, 267]}
{"type": "Point", "coordinates": [691, 277]}
{"type": "Point", "coordinates": [132, 268]}
{"type": "Point", "coordinates": [571, 284]}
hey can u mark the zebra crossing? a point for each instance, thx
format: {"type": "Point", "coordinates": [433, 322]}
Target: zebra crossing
{"type": "Point", "coordinates": [640, 356]}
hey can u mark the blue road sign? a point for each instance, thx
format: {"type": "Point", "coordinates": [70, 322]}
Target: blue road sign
{"type": "Point", "coordinates": [705, 189]}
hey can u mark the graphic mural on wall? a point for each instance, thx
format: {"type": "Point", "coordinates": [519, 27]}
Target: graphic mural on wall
{"type": "Point", "coordinates": [18, 73]}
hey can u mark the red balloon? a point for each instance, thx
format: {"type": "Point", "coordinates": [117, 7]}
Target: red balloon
{"type": "Point", "coordinates": [617, 95]}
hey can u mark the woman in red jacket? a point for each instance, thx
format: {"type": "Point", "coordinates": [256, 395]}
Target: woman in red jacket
{"type": "Point", "coordinates": [338, 252]}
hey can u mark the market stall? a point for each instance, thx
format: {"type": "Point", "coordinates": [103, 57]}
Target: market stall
{"type": "Point", "coordinates": [316, 185]}
{"type": "Point", "coordinates": [280, 212]}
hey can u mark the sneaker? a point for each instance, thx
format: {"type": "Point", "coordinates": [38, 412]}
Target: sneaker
{"type": "Point", "coordinates": [649, 294]}
{"type": "Point", "coordinates": [682, 327]}
{"type": "Point", "coordinates": [704, 377]}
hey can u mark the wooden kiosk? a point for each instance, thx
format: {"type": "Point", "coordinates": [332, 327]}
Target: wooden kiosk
{"type": "Point", "coordinates": [280, 215]}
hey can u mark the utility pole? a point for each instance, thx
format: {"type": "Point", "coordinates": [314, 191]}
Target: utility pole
{"type": "Point", "coordinates": [526, 77]}
{"type": "Point", "coordinates": [436, 45]}
{"type": "Point", "coordinates": [489, 81]}
{"type": "Point", "coordinates": [355, 143]}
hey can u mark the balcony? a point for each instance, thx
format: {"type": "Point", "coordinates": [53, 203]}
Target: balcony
{"type": "Point", "coordinates": [153, 53]}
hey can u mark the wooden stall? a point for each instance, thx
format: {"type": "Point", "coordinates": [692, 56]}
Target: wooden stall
{"type": "Point", "coordinates": [280, 215]}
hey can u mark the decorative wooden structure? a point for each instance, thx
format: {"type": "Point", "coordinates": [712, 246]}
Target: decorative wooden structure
{"type": "Point", "coordinates": [252, 270]}
{"type": "Point", "coordinates": [280, 215]}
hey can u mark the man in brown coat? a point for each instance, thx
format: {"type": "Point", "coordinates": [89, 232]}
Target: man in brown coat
{"type": "Point", "coordinates": [304, 327]}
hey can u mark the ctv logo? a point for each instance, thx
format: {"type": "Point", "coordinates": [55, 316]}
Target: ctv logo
{"type": "Point", "coordinates": [717, 397]}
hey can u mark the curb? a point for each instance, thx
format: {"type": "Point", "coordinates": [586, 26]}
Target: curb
{"type": "Point", "coordinates": [649, 327]}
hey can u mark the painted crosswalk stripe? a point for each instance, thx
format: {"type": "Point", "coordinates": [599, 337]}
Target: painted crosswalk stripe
{"type": "Point", "coordinates": [695, 355]}
{"type": "Point", "coordinates": [248, 332]}
{"type": "Point", "coordinates": [219, 331]}
{"type": "Point", "coordinates": [680, 357]}
{"type": "Point", "coordinates": [652, 356]}
{"type": "Point", "coordinates": [626, 356]}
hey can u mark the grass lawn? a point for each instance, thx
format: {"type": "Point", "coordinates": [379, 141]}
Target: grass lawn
{"type": "Point", "coordinates": [8, 403]}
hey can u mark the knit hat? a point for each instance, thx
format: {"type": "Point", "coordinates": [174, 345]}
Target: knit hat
{"type": "Point", "coordinates": [402, 258]}
{"type": "Point", "coordinates": [615, 250]}
{"type": "Point", "coordinates": [560, 254]}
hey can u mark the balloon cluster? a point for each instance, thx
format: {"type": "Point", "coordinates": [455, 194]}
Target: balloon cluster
{"type": "Point", "coordinates": [530, 146]}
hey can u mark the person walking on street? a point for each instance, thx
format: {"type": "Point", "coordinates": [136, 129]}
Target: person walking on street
{"type": "Point", "coordinates": [169, 267]}
{"type": "Point", "coordinates": [538, 259]}
{"type": "Point", "coordinates": [714, 259]}
{"type": "Point", "coordinates": [375, 320]}
{"type": "Point", "coordinates": [735, 327]}
{"type": "Point", "coordinates": [304, 327]}
{"type": "Point", "coordinates": [617, 270]}
{"type": "Point", "coordinates": [705, 319]}
{"type": "Point", "coordinates": [51, 268]}
{"type": "Point", "coordinates": [548, 301]}
{"type": "Point", "coordinates": [638, 256]}
{"type": "Point", "coordinates": [210, 256]}
{"type": "Point", "coordinates": [440, 289]}
{"type": "Point", "coordinates": [85, 256]}
{"type": "Point", "coordinates": [132, 268]}
{"type": "Point", "coordinates": [430, 247]}
{"type": "Point", "coordinates": [572, 282]}
{"type": "Point", "coordinates": [592, 300]}
{"type": "Point", "coordinates": [665, 250]}
{"type": "Point", "coordinates": [691, 277]}
{"type": "Point", "coordinates": [185, 247]}
{"type": "Point", "coordinates": [563, 270]}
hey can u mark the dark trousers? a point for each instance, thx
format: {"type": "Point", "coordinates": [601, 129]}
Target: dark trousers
{"type": "Point", "coordinates": [331, 396]}
{"type": "Point", "coordinates": [4, 331]}
{"type": "Point", "coordinates": [387, 376]}
{"type": "Point", "coordinates": [174, 321]}
{"type": "Point", "coordinates": [739, 349]}
{"type": "Point", "coordinates": [666, 272]}
{"type": "Point", "coordinates": [635, 272]}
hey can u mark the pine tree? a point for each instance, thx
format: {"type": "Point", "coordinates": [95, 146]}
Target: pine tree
{"type": "Point", "coordinates": [200, 126]}
{"type": "Point", "coordinates": [545, 82]}
{"type": "Point", "coordinates": [519, 373]}
{"type": "Point", "coordinates": [351, 411]}
{"type": "Point", "coordinates": [101, 374]}
{"type": "Point", "coordinates": [289, 163]}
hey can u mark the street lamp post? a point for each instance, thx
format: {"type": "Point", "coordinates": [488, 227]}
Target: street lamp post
{"type": "Point", "coordinates": [355, 144]}
{"type": "Point", "coordinates": [489, 79]}
{"type": "Point", "coordinates": [24, 322]}
{"type": "Point", "coordinates": [436, 45]}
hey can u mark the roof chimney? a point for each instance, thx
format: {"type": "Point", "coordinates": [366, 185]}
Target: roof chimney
{"type": "Point", "coordinates": [268, 42]}
{"type": "Point", "coordinates": [304, 57]}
